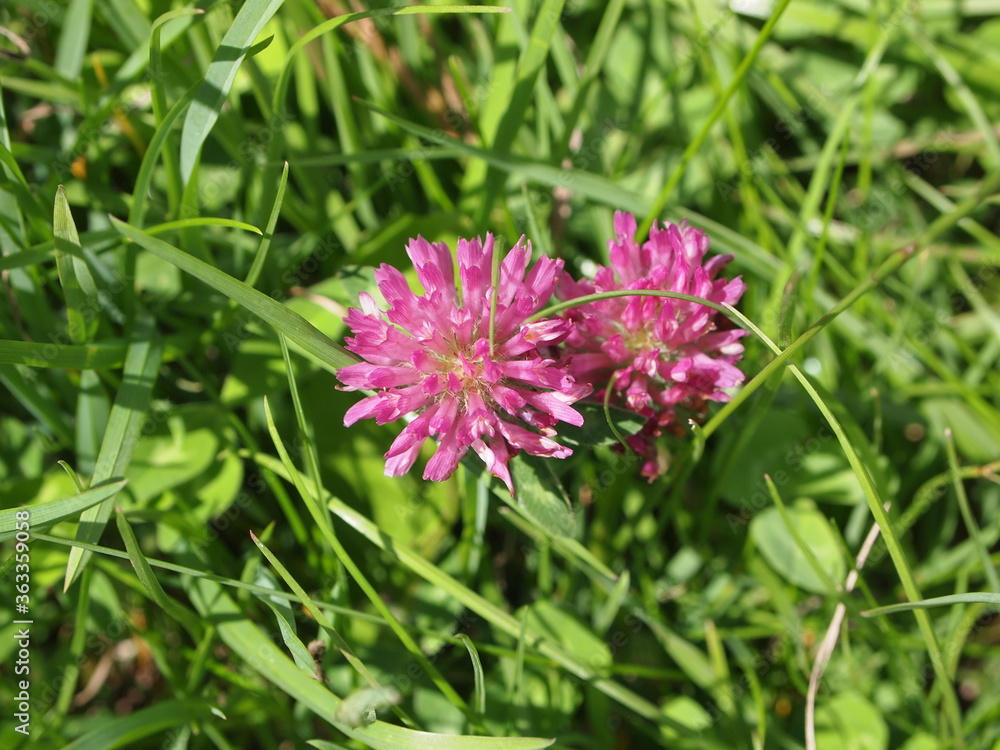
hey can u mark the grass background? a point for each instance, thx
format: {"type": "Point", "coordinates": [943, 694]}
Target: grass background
{"type": "Point", "coordinates": [815, 141]}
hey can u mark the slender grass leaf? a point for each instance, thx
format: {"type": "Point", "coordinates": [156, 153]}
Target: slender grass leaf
{"type": "Point", "coordinates": [977, 597]}
{"type": "Point", "coordinates": [142, 363]}
{"type": "Point", "coordinates": [77, 283]}
{"type": "Point", "coordinates": [212, 93]}
{"type": "Point", "coordinates": [188, 619]}
{"type": "Point", "coordinates": [74, 38]}
{"type": "Point", "coordinates": [479, 681]}
{"type": "Point", "coordinates": [65, 357]}
{"type": "Point", "coordinates": [126, 731]}
{"type": "Point", "coordinates": [290, 324]}
{"type": "Point", "coordinates": [47, 514]}
{"type": "Point", "coordinates": [261, 654]}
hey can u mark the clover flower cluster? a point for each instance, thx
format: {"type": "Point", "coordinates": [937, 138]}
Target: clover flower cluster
{"type": "Point", "coordinates": [430, 358]}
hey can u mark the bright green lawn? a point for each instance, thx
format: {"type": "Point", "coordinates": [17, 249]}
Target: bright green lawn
{"type": "Point", "coordinates": [816, 144]}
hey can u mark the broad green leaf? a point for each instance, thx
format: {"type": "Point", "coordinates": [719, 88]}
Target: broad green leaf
{"type": "Point", "coordinates": [42, 516]}
{"type": "Point", "coordinates": [290, 324]}
{"type": "Point", "coordinates": [173, 451]}
{"type": "Point", "coordinates": [595, 430]}
{"type": "Point", "coordinates": [776, 543]}
{"type": "Point", "coordinates": [540, 496]}
{"type": "Point", "coordinates": [212, 93]}
{"type": "Point", "coordinates": [851, 722]}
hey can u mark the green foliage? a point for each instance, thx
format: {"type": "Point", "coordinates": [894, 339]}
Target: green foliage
{"type": "Point", "coordinates": [191, 198]}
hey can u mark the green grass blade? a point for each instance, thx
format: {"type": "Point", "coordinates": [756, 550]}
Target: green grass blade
{"type": "Point", "coordinates": [128, 730]}
{"type": "Point", "coordinates": [989, 569]}
{"type": "Point", "coordinates": [978, 597]}
{"type": "Point", "coordinates": [142, 363]}
{"type": "Point", "coordinates": [65, 357]}
{"type": "Point", "coordinates": [479, 687]}
{"type": "Point", "coordinates": [260, 653]}
{"type": "Point", "coordinates": [53, 512]}
{"type": "Point", "coordinates": [77, 283]}
{"type": "Point", "coordinates": [213, 91]}
{"type": "Point", "coordinates": [188, 619]}
{"type": "Point", "coordinates": [290, 324]}
{"type": "Point", "coordinates": [74, 38]}
{"type": "Point", "coordinates": [720, 105]}
{"type": "Point", "coordinates": [265, 243]}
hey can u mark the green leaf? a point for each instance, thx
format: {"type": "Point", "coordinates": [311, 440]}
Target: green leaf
{"type": "Point", "coordinates": [262, 655]}
{"type": "Point", "coordinates": [290, 324]}
{"type": "Point", "coordinates": [479, 684]}
{"type": "Point", "coordinates": [124, 429]}
{"type": "Point", "coordinates": [147, 578]}
{"type": "Point", "coordinates": [62, 356]}
{"type": "Point", "coordinates": [976, 597]}
{"type": "Point", "coordinates": [777, 545]}
{"type": "Point", "coordinates": [541, 497]}
{"type": "Point", "coordinates": [212, 93]}
{"type": "Point", "coordinates": [82, 307]}
{"type": "Point", "coordinates": [48, 514]}
{"type": "Point", "coordinates": [851, 722]}
{"type": "Point", "coordinates": [73, 40]}
{"type": "Point", "coordinates": [126, 731]}
{"type": "Point", "coordinates": [595, 430]}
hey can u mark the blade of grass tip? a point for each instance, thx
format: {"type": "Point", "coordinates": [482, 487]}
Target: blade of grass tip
{"type": "Point", "coordinates": [316, 612]}
{"type": "Point", "coordinates": [983, 597]}
{"type": "Point", "coordinates": [989, 570]}
{"type": "Point", "coordinates": [741, 72]}
{"type": "Point", "coordinates": [292, 325]}
{"type": "Point", "coordinates": [201, 221]}
{"type": "Point", "coordinates": [479, 689]}
{"type": "Point", "coordinates": [54, 511]}
{"type": "Point", "coordinates": [74, 275]}
{"type": "Point", "coordinates": [818, 569]}
{"type": "Point", "coordinates": [214, 89]}
{"type": "Point", "coordinates": [142, 363]}
{"type": "Point", "coordinates": [188, 619]}
{"type": "Point", "coordinates": [272, 221]}
{"type": "Point", "coordinates": [326, 528]}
